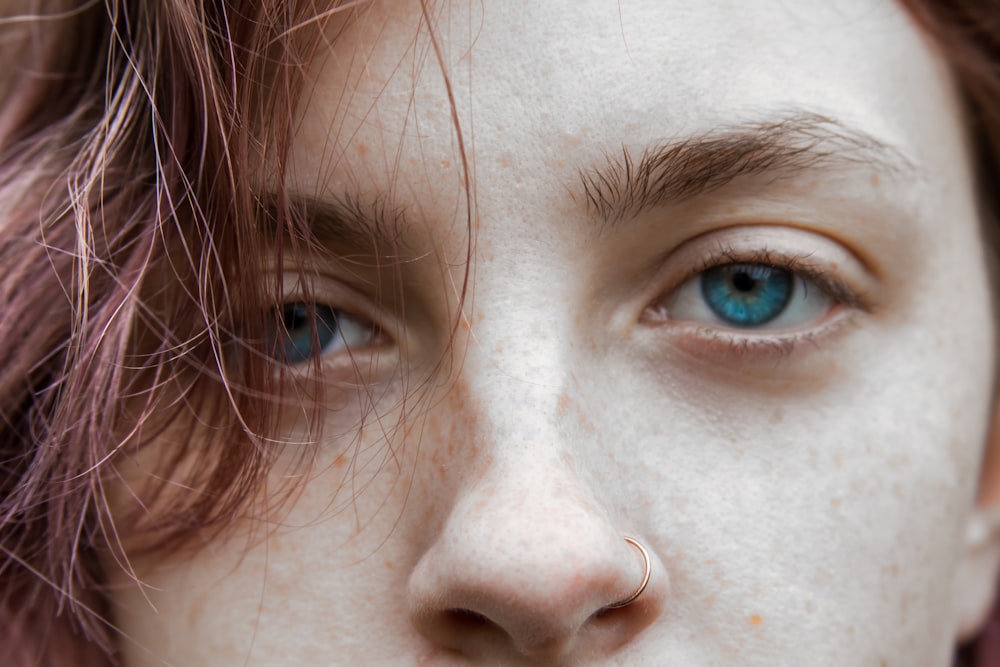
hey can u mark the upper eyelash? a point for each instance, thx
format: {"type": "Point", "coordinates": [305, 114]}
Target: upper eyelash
{"type": "Point", "coordinates": [833, 287]}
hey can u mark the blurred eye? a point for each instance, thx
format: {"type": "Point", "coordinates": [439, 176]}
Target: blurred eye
{"type": "Point", "coordinates": [308, 331]}
{"type": "Point", "coordinates": [749, 296]}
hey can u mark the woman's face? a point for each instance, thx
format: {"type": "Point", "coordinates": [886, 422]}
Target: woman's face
{"type": "Point", "coordinates": [726, 295]}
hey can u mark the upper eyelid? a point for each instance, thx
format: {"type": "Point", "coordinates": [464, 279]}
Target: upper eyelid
{"type": "Point", "coordinates": [335, 293]}
{"type": "Point", "coordinates": [797, 264]}
{"type": "Point", "coordinates": [832, 265]}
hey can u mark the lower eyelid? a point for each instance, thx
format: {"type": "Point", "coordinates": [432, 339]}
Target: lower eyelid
{"type": "Point", "coordinates": [722, 346]}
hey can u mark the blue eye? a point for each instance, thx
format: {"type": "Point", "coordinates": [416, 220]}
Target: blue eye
{"type": "Point", "coordinates": [297, 341]}
{"type": "Point", "coordinates": [747, 295]}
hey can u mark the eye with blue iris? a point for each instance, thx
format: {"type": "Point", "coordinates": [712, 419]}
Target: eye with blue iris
{"type": "Point", "coordinates": [306, 331]}
{"type": "Point", "coordinates": [750, 296]}
{"type": "Point", "coordinates": [747, 295]}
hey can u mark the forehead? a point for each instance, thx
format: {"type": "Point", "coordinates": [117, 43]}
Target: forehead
{"type": "Point", "coordinates": [407, 105]}
{"type": "Point", "coordinates": [566, 78]}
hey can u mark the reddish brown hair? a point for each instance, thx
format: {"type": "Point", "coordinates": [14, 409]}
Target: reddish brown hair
{"type": "Point", "coordinates": [127, 132]}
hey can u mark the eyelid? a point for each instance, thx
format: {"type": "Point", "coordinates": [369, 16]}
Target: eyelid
{"type": "Point", "coordinates": [319, 288]}
{"type": "Point", "coordinates": [809, 254]}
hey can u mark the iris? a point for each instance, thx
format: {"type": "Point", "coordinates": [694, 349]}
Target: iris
{"type": "Point", "coordinates": [747, 295]}
{"type": "Point", "coordinates": [294, 342]}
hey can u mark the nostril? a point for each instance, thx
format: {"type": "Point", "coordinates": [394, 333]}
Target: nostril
{"type": "Point", "coordinates": [463, 629]}
{"type": "Point", "coordinates": [466, 619]}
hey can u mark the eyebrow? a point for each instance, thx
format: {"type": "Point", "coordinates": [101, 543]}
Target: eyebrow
{"type": "Point", "coordinates": [337, 220]}
{"type": "Point", "coordinates": [674, 171]}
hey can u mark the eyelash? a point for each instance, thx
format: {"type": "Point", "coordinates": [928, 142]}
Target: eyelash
{"type": "Point", "coordinates": [798, 265]}
{"type": "Point", "coordinates": [752, 342]}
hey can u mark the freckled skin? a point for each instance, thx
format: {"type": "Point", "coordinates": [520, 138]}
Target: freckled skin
{"type": "Point", "coordinates": [799, 507]}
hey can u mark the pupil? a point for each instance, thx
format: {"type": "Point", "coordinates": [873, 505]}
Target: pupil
{"type": "Point", "coordinates": [747, 295]}
{"type": "Point", "coordinates": [744, 282]}
{"type": "Point", "coordinates": [295, 316]}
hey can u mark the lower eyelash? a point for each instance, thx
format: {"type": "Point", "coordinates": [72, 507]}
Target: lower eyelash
{"type": "Point", "coordinates": [742, 346]}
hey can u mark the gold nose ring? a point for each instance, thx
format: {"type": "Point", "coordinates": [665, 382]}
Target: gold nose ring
{"type": "Point", "coordinates": [645, 577]}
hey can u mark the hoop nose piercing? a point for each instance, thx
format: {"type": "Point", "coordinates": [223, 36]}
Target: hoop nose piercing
{"type": "Point", "coordinates": [645, 577]}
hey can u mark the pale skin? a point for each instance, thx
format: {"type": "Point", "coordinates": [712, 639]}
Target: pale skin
{"type": "Point", "coordinates": [804, 490]}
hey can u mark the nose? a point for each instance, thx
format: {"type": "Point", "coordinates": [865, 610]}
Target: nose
{"type": "Point", "coordinates": [529, 569]}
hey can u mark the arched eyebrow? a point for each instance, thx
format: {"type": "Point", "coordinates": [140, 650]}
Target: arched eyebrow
{"type": "Point", "coordinates": [674, 171]}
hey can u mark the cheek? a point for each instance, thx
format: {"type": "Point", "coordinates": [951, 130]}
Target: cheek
{"type": "Point", "coordinates": [832, 512]}
{"type": "Point", "coordinates": [313, 568]}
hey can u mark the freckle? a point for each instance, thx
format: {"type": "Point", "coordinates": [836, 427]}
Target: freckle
{"type": "Point", "coordinates": [835, 502]}
{"type": "Point", "coordinates": [362, 149]}
{"type": "Point", "coordinates": [194, 616]}
{"type": "Point", "coordinates": [559, 164]}
{"type": "Point", "coordinates": [505, 160]}
{"type": "Point", "coordinates": [876, 180]}
{"type": "Point", "coordinates": [756, 620]}
{"type": "Point", "coordinates": [340, 461]}
{"type": "Point", "coordinates": [563, 408]}
{"type": "Point", "coordinates": [572, 140]}
{"type": "Point", "coordinates": [446, 164]}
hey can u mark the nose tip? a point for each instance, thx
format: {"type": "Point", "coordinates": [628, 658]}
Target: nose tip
{"type": "Point", "coordinates": [542, 594]}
